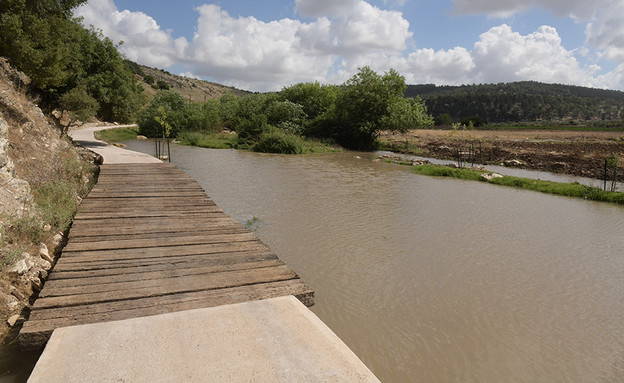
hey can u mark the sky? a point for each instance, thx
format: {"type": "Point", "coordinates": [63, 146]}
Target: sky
{"type": "Point", "coordinates": [265, 45]}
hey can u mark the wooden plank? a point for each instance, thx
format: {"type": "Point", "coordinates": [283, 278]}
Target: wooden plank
{"type": "Point", "coordinates": [74, 286]}
{"type": "Point", "coordinates": [171, 286]}
{"type": "Point", "coordinates": [165, 233]}
{"type": "Point", "coordinates": [189, 262]}
{"type": "Point", "coordinates": [45, 320]}
{"type": "Point", "coordinates": [88, 258]}
{"type": "Point", "coordinates": [160, 242]}
{"type": "Point", "coordinates": [94, 229]}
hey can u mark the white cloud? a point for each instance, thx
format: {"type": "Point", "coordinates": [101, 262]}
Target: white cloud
{"type": "Point", "coordinates": [443, 67]}
{"type": "Point", "coordinates": [504, 55]}
{"type": "Point", "coordinates": [270, 55]}
{"type": "Point", "coordinates": [258, 55]}
{"type": "Point", "coordinates": [143, 39]}
{"type": "Point", "coordinates": [605, 18]}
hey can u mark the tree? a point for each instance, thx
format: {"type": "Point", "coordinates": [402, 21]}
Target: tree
{"type": "Point", "coordinates": [315, 98]}
{"type": "Point", "coordinates": [81, 105]}
{"type": "Point", "coordinates": [34, 38]}
{"type": "Point", "coordinates": [174, 107]}
{"type": "Point", "coordinates": [368, 102]}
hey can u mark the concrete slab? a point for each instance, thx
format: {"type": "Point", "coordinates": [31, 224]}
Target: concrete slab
{"type": "Point", "coordinates": [110, 153]}
{"type": "Point", "coordinates": [273, 340]}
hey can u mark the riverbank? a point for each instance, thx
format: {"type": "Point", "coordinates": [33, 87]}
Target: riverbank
{"type": "Point", "coordinates": [548, 187]}
{"type": "Point", "coordinates": [578, 153]}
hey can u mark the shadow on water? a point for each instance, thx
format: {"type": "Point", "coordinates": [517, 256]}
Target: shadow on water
{"type": "Point", "coordinates": [15, 364]}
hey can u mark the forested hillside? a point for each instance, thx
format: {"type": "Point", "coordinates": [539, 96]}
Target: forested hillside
{"type": "Point", "coordinates": [526, 101]}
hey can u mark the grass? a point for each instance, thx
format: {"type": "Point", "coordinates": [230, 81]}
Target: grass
{"type": "Point", "coordinates": [117, 134]}
{"type": "Point", "coordinates": [55, 200]}
{"type": "Point", "coordinates": [9, 256]}
{"type": "Point", "coordinates": [556, 188]}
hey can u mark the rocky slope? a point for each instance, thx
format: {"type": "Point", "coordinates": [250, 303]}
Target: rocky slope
{"type": "Point", "coordinates": [33, 155]}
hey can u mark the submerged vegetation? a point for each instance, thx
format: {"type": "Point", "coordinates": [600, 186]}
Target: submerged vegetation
{"type": "Point", "coordinates": [303, 118]}
{"type": "Point", "coordinates": [557, 188]}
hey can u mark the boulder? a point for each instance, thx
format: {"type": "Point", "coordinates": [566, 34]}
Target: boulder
{"type": "Point", "coordinates": [44, 253]}
{"type": "Point", "coordinates": [15, 320]}
{"type": "Point", "coordinates": [491, 176]}
{"type": "Point", "coordinates": [23, 265]}
{"type": "Point", "coordinates": [512, 163]}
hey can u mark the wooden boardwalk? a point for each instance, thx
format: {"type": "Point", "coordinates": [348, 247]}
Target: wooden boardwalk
{"type": "Point", "coordinates": [148, 240]}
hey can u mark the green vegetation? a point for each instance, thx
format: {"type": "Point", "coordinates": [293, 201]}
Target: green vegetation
{"type": "Point", "coordinates": [56, 201]}
{"type": "Point", "coordinates": [71, 66]}
{"type": "Point", "coordinates": [9, 256]}
{"type": "Point", "coordinates": [521, 102]}
{"type": "Point", "coordinates": [299, 119]}
{"type": "Point", "coordinates": [117, 134]}
{"type": "Point", "coordinates": [208, 140]}
{"type": "Point", "coordinates": [557, 188]}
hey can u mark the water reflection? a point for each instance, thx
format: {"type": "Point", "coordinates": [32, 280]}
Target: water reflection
{"type": "Point", "coordinates": [436, 280]}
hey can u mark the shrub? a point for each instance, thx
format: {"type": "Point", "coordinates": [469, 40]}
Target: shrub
{"type": "Point", "coordinates": [476, 121]}
{"type": "Point", "coordinates": [276, 141]}
{"type": "Point", "coordinates": [161, 84]}
{"type": "Point", "coordinates": [148, 79]}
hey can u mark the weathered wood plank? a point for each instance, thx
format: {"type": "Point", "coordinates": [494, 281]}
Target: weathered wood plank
{"type": "Point", "coordinates": [43, 321]}
{"type": "Point", "coordinates": [74, 286]}
{"type": "Point", "coordinates": [171, 286]}
{"type": "Point", "coordinates": [155, 234]}
{"type": "Point", "coordinates": [188, 262]}
{"type": "Point", "coordinates": [160, 242]}
{"type": "Point", "coordinates": [109, 256]}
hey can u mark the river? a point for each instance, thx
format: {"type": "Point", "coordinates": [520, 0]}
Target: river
{"type": "Point", "coordinates": [435, 280]}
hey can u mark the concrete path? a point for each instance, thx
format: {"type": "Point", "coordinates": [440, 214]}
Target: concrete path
{"type": "Point", "coordinates": [272, 340]}
{"type": "Point", "coordinates": [110, 153]}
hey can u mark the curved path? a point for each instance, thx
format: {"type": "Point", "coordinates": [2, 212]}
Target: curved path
{"type": "Point", "coordinates": [110, 153]}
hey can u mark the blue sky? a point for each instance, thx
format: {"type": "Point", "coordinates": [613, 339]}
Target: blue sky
{"type": "Point", "coordinates": [269, 44]}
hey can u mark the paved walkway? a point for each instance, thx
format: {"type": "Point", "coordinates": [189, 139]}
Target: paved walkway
{"type": "Point", "coordinates": [273, 340]}
{"type": "Point", "coordinates": [110, 153]}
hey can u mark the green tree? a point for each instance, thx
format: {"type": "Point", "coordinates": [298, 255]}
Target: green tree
{"type": "Point", "coordinates": [406, 114]}
{"type": "Point", "coordinates": [315, 98]}
{"type": "Point", "coordinates": [366, 102]}
{"type": "Point", "coordinates": [34, 37]}
{"type": "Point", "coordinates": [81, 105]}
{"type": "Point", "coordinates": [174, 107]}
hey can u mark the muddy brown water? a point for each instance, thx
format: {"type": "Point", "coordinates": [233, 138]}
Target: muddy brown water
{"type": "Point", "coordinates": [436, 280]}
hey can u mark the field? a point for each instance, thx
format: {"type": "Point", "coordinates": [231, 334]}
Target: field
{"type": "Point", "coordinates": [580, 153]}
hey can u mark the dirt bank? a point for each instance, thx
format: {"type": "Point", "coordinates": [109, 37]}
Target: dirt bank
{"type": "Point", "coordinates": [568, 152]}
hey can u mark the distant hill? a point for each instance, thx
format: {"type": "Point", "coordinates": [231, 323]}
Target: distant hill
{"type": "Point", "coordinates": [193, 89]}
{"type": "Point", "coordinates": [526, 101]}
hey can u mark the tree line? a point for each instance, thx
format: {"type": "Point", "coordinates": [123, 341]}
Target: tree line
{"type": "Point", "coordinates": [526, 101]}
{"type": "Point", "coordinates": [351, 115]}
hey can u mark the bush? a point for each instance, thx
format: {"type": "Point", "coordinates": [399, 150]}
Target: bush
{"type": "Point", "coordinates": [277, 141]}
{"type": "Point", "coordinates": [476, 121]}
{"type": "Point", "coordinates": [161, 84]}
{"type": "Point", "coordinates": [443, 120]}
{"type": "Point", "coordinates": [148, 79]}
